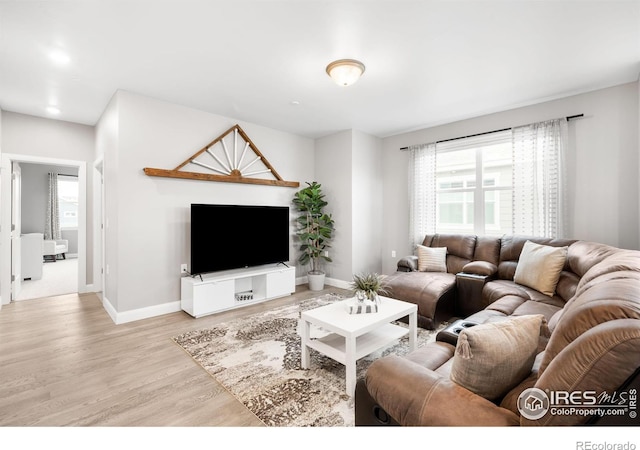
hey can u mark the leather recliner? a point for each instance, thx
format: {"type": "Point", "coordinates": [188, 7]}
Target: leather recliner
{"type": "Point", "coordinates": [594, 347]}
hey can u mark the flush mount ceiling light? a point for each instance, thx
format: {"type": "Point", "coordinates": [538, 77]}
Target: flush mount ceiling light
{"type": "Point", "coordinates": [345, 71]}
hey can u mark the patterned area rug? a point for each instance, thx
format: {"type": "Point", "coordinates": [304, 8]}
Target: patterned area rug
{"type": "Point", "coordinates": [257, 359]}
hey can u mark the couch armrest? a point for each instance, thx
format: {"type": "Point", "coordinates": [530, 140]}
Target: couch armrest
{"type": "Point", "coordinates": [416, 396]}
{"type": "Point", "coordinates": [408, 264]}
{"type": "Point", "coordinates": [483, 268]}
{"type": "Point", "coordinates": [469, 300]}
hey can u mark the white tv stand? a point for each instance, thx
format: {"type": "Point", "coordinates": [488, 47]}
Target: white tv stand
{"type": "Point", "coordinates": [231, 289]}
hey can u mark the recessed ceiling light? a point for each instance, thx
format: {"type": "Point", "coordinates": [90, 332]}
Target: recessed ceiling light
{"type": "Point", "coordinates": [53, 110]}
{"type": "Point", "coordinates": [59, 57]}
{"type": "Point", "coordinates": [295, 102]}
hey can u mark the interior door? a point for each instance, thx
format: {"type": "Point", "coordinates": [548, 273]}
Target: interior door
{"type": "Point", "coordinates": [16, 230]}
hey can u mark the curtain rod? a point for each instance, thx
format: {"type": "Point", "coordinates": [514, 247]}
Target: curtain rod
{"type": "Point", "coordinates": [577, 116]}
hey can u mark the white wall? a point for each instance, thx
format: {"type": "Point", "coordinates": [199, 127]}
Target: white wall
{"type": "Point", "coordinates": [366, 203]}
{"type": "Point", "coordinates": [348, 167]}
{"type": "Point", "coordinates": [603, 160]}
{"type": "Point", "coordinates": [333, 167]}
{"type": "Point", "coordinates": [151, 215]}
{"type": "Point", "coordinates": [46, 138]}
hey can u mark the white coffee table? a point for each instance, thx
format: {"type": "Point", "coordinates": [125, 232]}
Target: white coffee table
{"type": "Point", "coordinates": [354, 336]}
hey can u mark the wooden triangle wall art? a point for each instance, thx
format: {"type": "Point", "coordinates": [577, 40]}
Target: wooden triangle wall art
{"type": "Point", "coordinates": [224, 165]}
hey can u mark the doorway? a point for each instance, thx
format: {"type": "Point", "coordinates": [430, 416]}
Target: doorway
{"type": "Point", "coordinates": [11, 276]}
{"type": "Point", "coordinates": [56, 271]}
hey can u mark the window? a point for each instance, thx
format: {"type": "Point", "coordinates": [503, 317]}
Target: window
{"type": "Point", "coordinates": [503, 182]}
{"type": "Point", "coordinates": [68, 201]}
{"type": "Point", "coordinates": [473, 185]}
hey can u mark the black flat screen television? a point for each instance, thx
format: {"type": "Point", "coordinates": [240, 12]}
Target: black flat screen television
{"type": "Point", "coordinates": [227, 237]}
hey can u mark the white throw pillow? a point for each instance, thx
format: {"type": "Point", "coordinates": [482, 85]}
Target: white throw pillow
{"type": "Point", "coordinates": [539, 267]}
{"type": "Point", "coordinates": [432, 259]}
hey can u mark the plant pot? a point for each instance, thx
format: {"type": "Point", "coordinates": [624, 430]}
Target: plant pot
{"type": "Point", "coordinates": [316, 281]}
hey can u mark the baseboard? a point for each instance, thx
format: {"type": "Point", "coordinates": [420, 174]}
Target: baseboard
{"type": "Point", "coordinates": [337, 283]}
{"type": "Point", "coordinates": [108, 307]}
{"type": "Point", "coordinates": [328, 281]}
{"type": "Point", "coordinates": [141, 313]}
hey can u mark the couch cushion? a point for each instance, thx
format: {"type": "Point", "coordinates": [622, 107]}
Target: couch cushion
{"type": "Point", "coordinates": [460, 248]}
{"type": "Point", "coordinates": [510, 400]}
{"type": "Point", "coordinates": [567, 285]}
{"type": "Point", "coordinates": [511, 247]}
{"type": "Point", "coordinates": [530, 307]}
{"type": "Point", "coordinates": [539, 267]}
{"type": "Point", "coordinates": [596, 342]}
{"type": "Point", "coordinates": [421, 288]}
{"type": "Point", "coordinates": [487, 249]}
{"type": "Point", "coordinates": [460, 245]}
{"type": "Point", "coordinates": [432, 355]}
{"type": "Point", "coordinates": [616, 299]}
{"type": "Point", "coordinates": [485, 315]}
{"type": "Point", "coordinates": [432, 259]}
{"type": "Point", "coordinates": [492, 358]}
{"type": "Point", "coordinates": [583, 255]}
{"type": "Point", "coordinates": [495, 291]}
{"type": "Point", "coordinates": [599, 360]}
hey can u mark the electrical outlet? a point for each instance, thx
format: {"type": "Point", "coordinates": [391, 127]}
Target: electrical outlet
{"type": "Point", "coordinates": [183, 268]}
{"type": "Point", "coordinates": [393, 253]}
{"type": "Point", "coordinates": [326, 253]}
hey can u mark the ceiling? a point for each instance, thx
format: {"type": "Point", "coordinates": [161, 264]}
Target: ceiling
{"type": "Point", "coordinates": [427, 62]}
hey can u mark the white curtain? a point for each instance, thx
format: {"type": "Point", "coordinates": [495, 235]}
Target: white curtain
{"type": "Point", "coordinates": [52, 219]}
{"type": "Point", "coordinates": [538, 179]}
{"type": "Point", "coordinates": [422, 192]}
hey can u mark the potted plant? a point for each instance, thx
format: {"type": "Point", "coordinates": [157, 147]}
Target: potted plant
{"type": "Point", "coordinates": [315, 230]}
{"type": "Point", "coordinates": [368, 287]}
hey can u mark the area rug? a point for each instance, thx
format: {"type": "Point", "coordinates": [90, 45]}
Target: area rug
{"type": "Point", "coordinates": [257, 359]}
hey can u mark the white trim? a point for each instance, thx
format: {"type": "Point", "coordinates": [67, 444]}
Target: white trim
{"type": "Point", "coordinates": [5, 227]}
{"type": "Point", "coordinates": [98, 235]}
{"type": "Point", "coordinates": [337, 283]}
{"type": "Point", "coordinates": [140, 313]}
{"type": "Point", "coordinates": [108, 307]}
{"type": "Point", "coordinates": [328, 281]}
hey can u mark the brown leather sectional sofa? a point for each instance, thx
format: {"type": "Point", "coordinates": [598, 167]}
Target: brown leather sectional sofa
{"type": "Point", "coordinates": [480, 271]}
{"type": "Point", "coordinates": [593, 350]}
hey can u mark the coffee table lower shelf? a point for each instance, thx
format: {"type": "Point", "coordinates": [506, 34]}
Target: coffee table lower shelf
{"type": "Point", "coordinates": [334, 345]}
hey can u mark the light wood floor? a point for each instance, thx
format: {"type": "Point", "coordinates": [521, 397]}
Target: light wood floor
{"type": "Point", "coordinates": [63, 362]}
